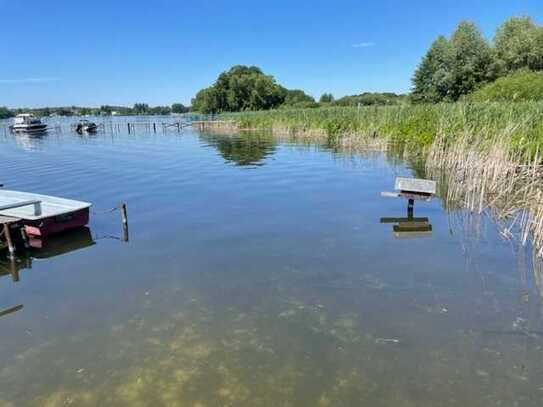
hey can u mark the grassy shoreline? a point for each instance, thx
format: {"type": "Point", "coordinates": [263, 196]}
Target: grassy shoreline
{"type": "Point", "coordinates": [520, 123]}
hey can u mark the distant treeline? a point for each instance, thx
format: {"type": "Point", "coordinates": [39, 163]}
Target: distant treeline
{"type": "Point", "coordinates": [5, 112]}
{"type": "Point", "coordinates": [452, 68]}
{"type": "Point", "coordinates": [247, 88]}
{"type": "Point", "coordinates": [457, 66]}
{"type": "Point", "coordinates": [105, 110]}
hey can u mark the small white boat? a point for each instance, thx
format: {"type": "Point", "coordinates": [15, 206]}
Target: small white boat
{"type": "Point", "coordinates": [86, 126]}
{"type": "Point", "coordinates": [43, 215]}
{"type": "Point", "coordinates": [27, 123]}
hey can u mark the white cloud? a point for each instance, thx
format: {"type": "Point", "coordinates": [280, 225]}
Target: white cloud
{"type": "Point", "coordinates": [29, 80]}
{"type": "Point", "coordinates": [364, 45]}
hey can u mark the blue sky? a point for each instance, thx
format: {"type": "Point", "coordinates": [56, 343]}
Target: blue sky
{"type": "Point", "coordinates": [62, 52]}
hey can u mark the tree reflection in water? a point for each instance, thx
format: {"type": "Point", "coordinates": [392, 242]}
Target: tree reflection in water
{"type": "Point", "coordinates": [242, 150]}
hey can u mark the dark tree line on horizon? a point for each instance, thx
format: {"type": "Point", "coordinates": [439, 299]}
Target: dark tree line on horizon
{"type": "Point", "coordinates": [457, 66]}
{"type": "Point", "coordinates": [247, 88]}
{"type": "Point", "coordinates": [137, 109]}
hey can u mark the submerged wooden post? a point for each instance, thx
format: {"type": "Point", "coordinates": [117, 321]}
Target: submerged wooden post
{"type": "Point", "coordinates": [128, 124]}
{"type": "Point", "coordinates": [13, 270]}
{"type": "Point", "coordinates": [24, 236]}
{"type": "Point", "coordinates": [11, 247]}
{"type": "Point", "coordinates": [154, 127]}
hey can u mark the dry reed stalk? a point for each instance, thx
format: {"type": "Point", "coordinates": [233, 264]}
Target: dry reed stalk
{"type": "Point", "coordinates": [490, 176]}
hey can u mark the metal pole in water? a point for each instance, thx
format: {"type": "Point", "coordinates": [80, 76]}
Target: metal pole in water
{"type": "Point", "coordinates": [410, 205]}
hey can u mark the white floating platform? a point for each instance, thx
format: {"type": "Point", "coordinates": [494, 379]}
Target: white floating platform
{"type": "Point", "coordinates": [32, 207]}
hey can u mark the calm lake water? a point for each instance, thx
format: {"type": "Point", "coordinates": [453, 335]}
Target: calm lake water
{"type": "Point", "coordinates": [257, 273]}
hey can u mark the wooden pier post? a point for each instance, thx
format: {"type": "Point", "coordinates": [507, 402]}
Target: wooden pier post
{"type": "Point", "coordinates": [122, 209]}
{"type": "Point", "coordinates": [24, 236]}
{"type": "Point", "coordinates": [124, 219]}
{"type": "Point", "coordinates": [125, 233]}
{"type": "Point", "coordinates": [128, 124]}
{"type": "Point", "coordinates": [13, 270]}
{"type": "Point", "coordinates": [154, 127]}
{"type": "Point", "coordinates": [9, 241]}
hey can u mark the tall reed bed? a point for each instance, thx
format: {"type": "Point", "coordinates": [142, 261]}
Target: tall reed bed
{"type": "Point", "coordinates": [416, 124]}
{"type": "Point", "coordinates": [491, 176]}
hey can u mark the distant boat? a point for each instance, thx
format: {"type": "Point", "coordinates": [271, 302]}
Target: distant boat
{"type": "Point", "coordinates": [43, 215]}
{"type": "Point", "coordinates": [27, 123]}
{"type": "Point", "coordinates": [86, 126]}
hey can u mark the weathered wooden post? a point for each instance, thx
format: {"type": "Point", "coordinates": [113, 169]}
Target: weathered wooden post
{"type": "Point", "coordinates": [122, 209]}
{"type": "Point", "coordinates": [24, 236]}
{"type": "Point", "coordinates": [124, 219]}
{"type": "Point", "coordinates": [128, 124]}
{"type": "Point", "coordinates": [9, 241]}
{"type": "Point", "coordinates": [13, 270]}
{"type": "Point", "coordinates": [154, 127]}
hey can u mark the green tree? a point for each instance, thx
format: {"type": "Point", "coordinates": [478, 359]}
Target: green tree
{"type": "Point", "coordinates": [238, 89]}
{"type": "Point", "coordinates": [207, 101]}
{"type": "Point", "coordinates": [141, 108]}
{"type": "Point", "coordinates": [326, 98]}
{"type": "Point", "coordinates": [472, 60]}
{"type": "Point", "coordinates": [179, 108]}
{"type": "Point", "coordinates": [520, 86]}
{"type": "Point", "coordinates": [5, 113]}
{"type": "Point", "coordinates": [433, 77]}
{"type": "Point", "coordinates": [519, 44]}
{"type": "Point", "coordinates": [106, 109]}
{"type": "Point", "coordinates": [297, 97]}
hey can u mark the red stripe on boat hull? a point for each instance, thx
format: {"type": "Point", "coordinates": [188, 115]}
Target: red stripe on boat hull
{"type": "Point", "coordinates": [57, 224]}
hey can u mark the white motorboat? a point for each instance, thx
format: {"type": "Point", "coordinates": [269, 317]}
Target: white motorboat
{"type": "Point", "coordinates": [86, 126]}
{"type": "Point", "coordinates": [28, 123]}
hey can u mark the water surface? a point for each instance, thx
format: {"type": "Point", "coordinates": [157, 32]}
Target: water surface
{"type": "Point", "coordinates": [257, 273]}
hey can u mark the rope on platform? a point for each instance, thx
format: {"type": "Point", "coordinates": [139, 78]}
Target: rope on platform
{"type": "Point", "coordinates": [104, 237]}
{"type": "Point", "coordinates": [105, 211]}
